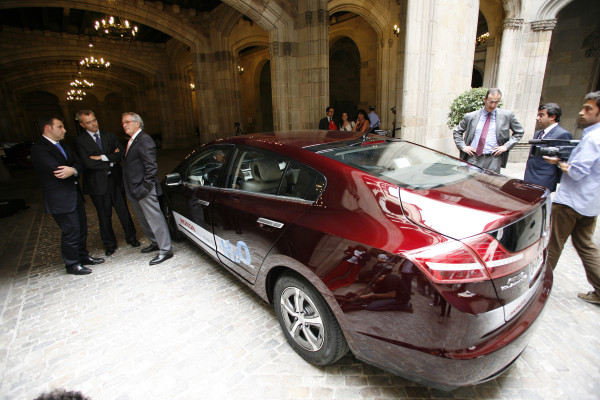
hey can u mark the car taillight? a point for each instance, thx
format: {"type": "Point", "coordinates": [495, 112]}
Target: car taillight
{"type": "Point", "coordinates": [449, 262]}
{"type": "Point", "coordinates": [497, 259]}
{"type": "Point", "coordinates": [474, 259]}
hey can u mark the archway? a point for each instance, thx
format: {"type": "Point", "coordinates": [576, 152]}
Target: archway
{"type": "Point", "coordinates": [344, 77]}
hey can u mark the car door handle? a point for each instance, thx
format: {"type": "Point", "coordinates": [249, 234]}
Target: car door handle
{"type": "Point", "coordinates": [203, 203]}
{"type": "Point", "coordinates": [264, 221]}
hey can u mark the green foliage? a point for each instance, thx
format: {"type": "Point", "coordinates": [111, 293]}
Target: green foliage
{"type": "Point", "coordinates": [466, 102]}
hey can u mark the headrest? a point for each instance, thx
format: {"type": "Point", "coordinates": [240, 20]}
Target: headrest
{"type": "Point", "coordinates": [266, 170]}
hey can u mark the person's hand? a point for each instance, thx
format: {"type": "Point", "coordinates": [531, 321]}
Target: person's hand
{"type": "Point", "coordinates": [552, 160]}
{"type": "Point", "coordinates": [64, 172]}
{"type": "Point", "coordinates": [469, 150]}
{"type": "Point", "coordinates": [496, 151]}
{"type": "Point", "coordinates": [99, 158]}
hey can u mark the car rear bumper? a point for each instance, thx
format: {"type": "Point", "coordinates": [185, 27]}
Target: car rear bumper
{"type": "Point", "coordinates": [437, 366]}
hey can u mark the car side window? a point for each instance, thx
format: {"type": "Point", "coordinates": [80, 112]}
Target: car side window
{"type": "Point", "coordinates": [300, 182]}
{"type": "Point", "coordinates": [257, 172]}
{"type": "Point", "coordinates": [206, 168]}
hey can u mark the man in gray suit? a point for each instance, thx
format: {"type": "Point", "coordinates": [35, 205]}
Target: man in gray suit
{"type": "Point", "coordinates": [483, 136]}
{"type": "Point", "coordinates": [142, 187]}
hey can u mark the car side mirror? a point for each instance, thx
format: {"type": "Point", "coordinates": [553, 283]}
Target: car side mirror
{"type": "Point", "coordinates": [173, 179]}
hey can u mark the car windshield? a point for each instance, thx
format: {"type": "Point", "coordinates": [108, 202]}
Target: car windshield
{"type": "Point", "coordinates": [399, 162]}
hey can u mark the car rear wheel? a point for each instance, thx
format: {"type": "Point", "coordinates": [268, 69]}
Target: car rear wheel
{"type": "Point", "coordinates": [307, 321]}
{"type": "Point", "coordinates": [170, 218]}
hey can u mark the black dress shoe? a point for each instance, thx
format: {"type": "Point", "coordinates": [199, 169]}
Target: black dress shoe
{"type": "Point", "coordinates": [110, 250]}
{"type": "Point", "coordinates": [160, 258]}
{"type": "Point", "coordinates": [151, 248]}
{"type": "Point", "coordinates": [78, 270]}
{"type": "Point", "coordinates": [134, 243]}
{"type": "Point", "coordinates": [89, 260]}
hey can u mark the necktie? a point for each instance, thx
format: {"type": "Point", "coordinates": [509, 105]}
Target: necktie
{"type": "Point", "coordinates": [542, 134]}
{"type": "Point", "coordinates": [332, 125]}
{"type": "Point", "coordinates": [484, 132]}
{"type": "Point", "coordinates": [61, 149]}
{"type": "Point", "coordinates": [98, 142]}
{"type": "Point", "coordinates": [128, 144]}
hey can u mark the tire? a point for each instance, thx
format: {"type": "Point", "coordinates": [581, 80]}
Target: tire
{"type": "Point", "coordinates": [170, 219]}
{"type": "Point", "coordinates": [307, 321]}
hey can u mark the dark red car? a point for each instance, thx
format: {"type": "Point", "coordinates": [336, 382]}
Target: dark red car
{"type": "Point", "coordinates": [419, 263]}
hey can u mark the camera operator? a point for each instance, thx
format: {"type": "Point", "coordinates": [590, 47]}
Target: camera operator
{"type": "Point", "coordinates": [577, 201]}
{"type": "Point", "coordinates": [537, 170]}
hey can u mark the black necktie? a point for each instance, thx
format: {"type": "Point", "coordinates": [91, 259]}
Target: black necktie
{"type": "Point", "coordinates": [98, 142]}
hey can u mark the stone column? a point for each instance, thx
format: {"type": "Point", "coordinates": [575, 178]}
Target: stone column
{"type": "Point", "coordinates": [436, 64]}
{"type": "Point", "coordinates": [387, 74]}
{"type": "Point", "coordinates": [299, 68]}
{"type": "Point", "coordinates": [523, 58]}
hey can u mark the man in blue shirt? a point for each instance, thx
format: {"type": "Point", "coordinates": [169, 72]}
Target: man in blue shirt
{"type": "Point", "coordinates": [577, 203]}
{"type": "Point", "coordinates": [374, 121]}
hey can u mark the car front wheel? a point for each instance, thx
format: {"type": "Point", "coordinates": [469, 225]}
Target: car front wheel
{"type": "Point", "coordinates": [308, 323]}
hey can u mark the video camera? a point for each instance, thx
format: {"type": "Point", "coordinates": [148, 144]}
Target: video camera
{"type": "Point", "coordinates": [560, 148]}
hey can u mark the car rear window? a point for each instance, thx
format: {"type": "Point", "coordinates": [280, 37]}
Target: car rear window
{"type": "Point", "coordinates": [402, 163]}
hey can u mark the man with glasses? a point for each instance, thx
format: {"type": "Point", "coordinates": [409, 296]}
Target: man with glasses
{"type": "Point", "coordinates": [483, 136]}
{"type": "Point", "coordinates": [141, 185]}
{"type": "Point", "coordinates": [101, 153]}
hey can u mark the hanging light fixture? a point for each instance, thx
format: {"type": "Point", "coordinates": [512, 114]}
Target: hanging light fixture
{"type": "Point", "coordinates": [75, 95]}
{"type": "Point", "coordinates": [80, 82]}
{"type": "Point", "coordinates": [93, 63]}
{"type": "Point", "coordinates": [114, 27]}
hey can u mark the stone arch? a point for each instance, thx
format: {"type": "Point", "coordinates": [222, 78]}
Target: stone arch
{"type": "Point", "coordinates": [172, 22]}
{"type": "Point", "coordinates": [550, 9]}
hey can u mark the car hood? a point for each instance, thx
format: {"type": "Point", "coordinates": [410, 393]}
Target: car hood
{"type": "Point", "coordinates": [479, 204]}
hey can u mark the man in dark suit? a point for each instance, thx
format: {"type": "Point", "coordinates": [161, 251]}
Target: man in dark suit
{"type": "Point", "coordinates": [328, 123]}
{"type": "Point", "coordinates": [483, 136]}
{"type": "Point", "coordinates": [142, 187]}
{"type": "Point", "coordinates": [58, 168]}
{"type": "Point", "coordinates": [101, 153]}
{"type": "Point", "coordinates": [539, 171]}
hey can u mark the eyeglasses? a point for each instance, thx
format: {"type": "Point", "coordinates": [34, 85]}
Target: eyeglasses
{"type": "Point", "coordinates": [493, 101]}
{"type": "Point", "coordinates": [93, 121]}
{"type": "Point", "coordinates": [127, 122]}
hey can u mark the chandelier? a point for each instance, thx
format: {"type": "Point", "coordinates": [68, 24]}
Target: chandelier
{"type": "Point", "coordinates": [93, 63]}
{"type": "Point", "coordinates": [80, 83]}
{"type": "Point", "coordinates": [75, 95]}
{"type": "Point", "coordinates": [115, 28]}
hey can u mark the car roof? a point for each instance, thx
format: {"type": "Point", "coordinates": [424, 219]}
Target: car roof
{"type": "Point", "coordinates": [294, 139]}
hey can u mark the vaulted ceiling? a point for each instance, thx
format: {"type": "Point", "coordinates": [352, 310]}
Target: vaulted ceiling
{"type": "Point", "coordinates": [81, 22]}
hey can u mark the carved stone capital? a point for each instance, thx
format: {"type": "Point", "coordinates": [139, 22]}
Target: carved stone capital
{"type": "Point", "coordinates": [543, 25]}
{"type": "Point", "coordinates": [512, 23]}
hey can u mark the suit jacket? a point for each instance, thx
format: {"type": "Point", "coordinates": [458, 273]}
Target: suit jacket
{"type": "Point", "coordinates": [324, 123]}
{"type": "Point", "coordinates": [539, 171]}
{"type": "Point", "coordinates": [140, 169]}
{"type": "Point", "coordinates": [95, 176]}
{"type": "Point", "coordinates": [60, 195]}
{"type": "Point", "coordinates": [505, 122]}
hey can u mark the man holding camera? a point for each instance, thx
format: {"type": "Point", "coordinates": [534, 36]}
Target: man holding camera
{"type": "Point", "coordinates": [537, 170]}
{"type": "Point", "coordinates": [577, 201]}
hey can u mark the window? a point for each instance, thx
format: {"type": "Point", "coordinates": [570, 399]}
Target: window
{"type": "Point", "coordinates": [206, 168]}
{"type": "Point", "coordinates": [257, 171]}
{"type": "Point", "coordinates": [262, 172]}
{"type": "Point", "coordinates": [302, 183]}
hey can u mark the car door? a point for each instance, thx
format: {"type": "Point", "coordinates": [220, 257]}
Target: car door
{"type": "Point", "coordinates": [191, 199]}
{"type": "Point", "coordinates": [265, 193]}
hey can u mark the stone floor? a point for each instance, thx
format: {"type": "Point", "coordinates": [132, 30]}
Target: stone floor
{"type": "Point", "coordinates": [186, 329]}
